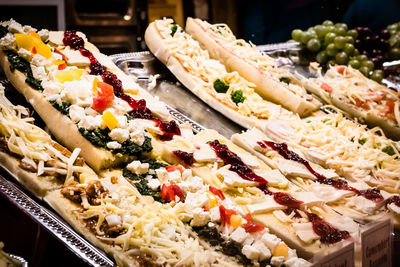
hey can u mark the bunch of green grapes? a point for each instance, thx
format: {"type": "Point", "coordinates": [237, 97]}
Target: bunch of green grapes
{"type": "Point", "coordinates": [334, 44]}
{"type": "Point", "coordinates": [394, 41]}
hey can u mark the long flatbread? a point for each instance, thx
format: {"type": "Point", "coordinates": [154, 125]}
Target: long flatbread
{"type": "Point", "coordinates": [272, 83]}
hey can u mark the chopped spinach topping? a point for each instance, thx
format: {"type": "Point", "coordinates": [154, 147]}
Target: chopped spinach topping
{"type": "Point", "coordinates": [3, 31]}
{"type": "Point", "coordinates": [174, 28]}
{"type": "Point", "coordinates": [308, 121]}
{"type": "Point", "coordinates": [141, 181]}
{"type": "Point", "coordinates": [221, 86]}
{"type": "Point", "coordinates": [99, 137]}
{"type": "Point", "coordinates": [228, 247]}
{"type": "Point", "coordinates": [21, 64]}
{"type": "Point", "coordinates": [239, 44]}
{"type": "Point", "coordinates": [388, 150]}
{"type": "Point", "coordinates": [237, 97]}
{"type": "Point", "coordinates": [284, 80]}
{"type": "Point", "coordinates": [63, 107]}
{"type": "Point", "coordinates": [362, 141]}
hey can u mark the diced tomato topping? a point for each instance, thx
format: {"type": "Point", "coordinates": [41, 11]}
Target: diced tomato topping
{"type": "Point", "coordinates": [389, 106]}
{"type": "Point", "coordinates": [205, 208]}
{"type": "Point", "coordinates": [34, 50]}
{"type": "Point", "coordinates": [252, 227]}
{"type": "Point", "coordinates": [217, 192]}
{"type": "Point", "coordinates": [169, 192]}
{"type": "Point", "coordinates": [62, 66]}
{"type": "Point", "coordinates": [106, 90]}
{"type": "Point", "coordinates": [64, 57]}
{"type": "Point", "coordinates": [340, 69]}
{"type": "Point", "coordinates": [100, 103]}
{"type": "Point", "coordinates": [326, 87]}
{"type": "Point", "coordinates": [172, 168]}
{"type": "Point", "coordinates": [377, 96]}
{"type": "Point", "coordinates": [226, 214]}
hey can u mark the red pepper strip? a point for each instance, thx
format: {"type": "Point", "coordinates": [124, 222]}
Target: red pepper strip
{"type": "Point", "coordinates": [106, 90]}
{"type": "Point", "coordinates": [217, 192]}
{"type": "Point", "coordinates": [226, 214]}
{"type": "Point", "coordinates": [64, 57]}
{"type": "Point", "coordinates": [172, 168]}
{"type": "Point", "coordinates": [34, 51]}
{"type": "Point", "coordinates": [62, 66]}
{"type": "Point", "coordinates": [252, 227]}
{"type": "Point", "coordinates": [169, 192]}
{"type": "Point", "coordinates": [326, 87]}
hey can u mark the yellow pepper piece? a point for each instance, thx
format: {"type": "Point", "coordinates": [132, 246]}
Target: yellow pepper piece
{"type": "Point", "coordinates": [236, 220]}
{"type": "Point", "coordinates": [94, 88]}
{"type": "Point", "coordinates": [28, 42]}
{"type": "Point", "coordinates": [212, 199]}
{"type": "Point", "coordinates": [69, 75]}
{"type": "Point", "coordinates": [58, 62]}
{"type": "Point", "coordinates": [34, 34]}
{"type": "Point", "coordinates": [109, 120]}
{"type": "Point", "coordinates": [280, 250]}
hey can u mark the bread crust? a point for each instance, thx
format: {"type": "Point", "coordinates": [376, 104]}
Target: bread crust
{"type": "Point", "coordinates": [267, 87]}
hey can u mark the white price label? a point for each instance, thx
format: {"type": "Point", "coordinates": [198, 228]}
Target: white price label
{"type": "Point", "coordinates": [343, 257]}
{"type": "Point", "coordinates": [376, 243]}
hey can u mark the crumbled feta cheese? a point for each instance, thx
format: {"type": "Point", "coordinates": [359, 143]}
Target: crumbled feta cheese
{"type": "Point", "coordinates": [113, 145]}
{"type": "Point", "coordinates": [154, 184]}
{"type": "Point", "coordinates": [195, 200]}
{"type": "Point", "coordinates": [39, 73]}
{"type": "Point", "coordinates": [51, 87]}
{"type": "Point", "coordinates": [113, 220]}
{"type": "Point", "coordinates": [264, 252]}
{"type": "Point", "coordinates": [24, 53]}
{"type": "Point", "coordinates": [76, 113]}
{"type": "Point", "coordinates": [8, 41]}
{"type": "Point", "coordinates": [44, 34]}
{"type": "Point", "coordinates": [200, 217]}
{"type": "Point", "coordinates": [215, 215]}
{"type": "Point", "coordinates": [137, 167]}
{"type": "Point", "coordinates": [137, 137]}
{"type": "Point", "coordinates": [75, 90]}
{"type": "Point", "coordinates": [162, 175]}
{"type": "Point", "coordinates": [119, 135]}
{"type": "Point", "coordinates": [297, 262]}
{"type": "Point", "coordinates": [38, 60]}
{"type": "Point", "coordinates": [270, 240]}
{"type": "Point", "coordinates": [239, 235]}
{"type": "Point", "coordinates": [28, 28]}
{"type": "Point", "coordinates": [250, 252]}
{"type": "Point", "coordinates": [122, 121]}
{"type": "Point", "coordinates": [90, 122]}
{"type": "Point", "coordinates": [175, 177]}
{"type": "Point", "coordinates": [91, 112]}
{"type": "Point", "coordinates": [186, 174]}
{"type": "Point", "coordinates": [277, 261]}
{"type": "Point", "coordinates": [15, 27]}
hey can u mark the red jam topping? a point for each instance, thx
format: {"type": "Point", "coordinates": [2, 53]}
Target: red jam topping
{"type": "Point", "coordinates": [290, 210]}
{"type": "Point", "coordinates": [282, 148]}
{"type": "Point", "coordinates": [395, 200]}
{"type": "Point", "coordinates": [287, 200]}
{"type": "Point", "coordinates": [139, 109]}
{"type": "Point", "coordinates": [328, 234]}
{"type": "Point", "coordinates": [184, 157]}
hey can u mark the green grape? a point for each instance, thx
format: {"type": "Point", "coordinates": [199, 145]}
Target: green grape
{"type": "Point", "coordinates": [341, 58]}
{"type": "Point", "coordinates": [392, 27]}
{"type": "Point", "coordinates": [339, 42]}
{"type": "Point", "coordinates": [341, 25]}
{"type": "Point", "coordinates": [297, 34]}
{"type": "Point", "coordinates": [353, 33]}
{"type": "Point", "coordinates": [331, 28]}
{"type": "Point", "coordinates": [327, 23]}
{"type": "Point", "coordinates": [322, 57]}
{"type": "Point", "coordinates": [313, 45]}
{"type": "Point", "coordinates": [394, 53]}
{"type": "Point", "coordinates": [321, 31]}
{"type": "Point", "coordinates": [331, 62]}
{"type": "Point", "coordinates": [341, 31]}
{"type": "Point", "coordinates": [329, 37]}
{"type": "Point", "coordinates": [331, 50]}
{"type": "Point", "coordinates": [377, 75]}
{"type": "Point", "coordinates": [362, 58]}
{"type": "Point", "coordinates": [349, 39]}
{"type": "Point", "coordinates": [356, 52]}
{"type": "Point", "coordinates": [306, 37]}
{"type": "Point", "coordinates": [355, 63]}
{"type": "Point", "coordinates": [368, 63]}
{"type": "Point", "coordinates": [349, 49]}
{"type": "Point", "coordinates": [364, 70]}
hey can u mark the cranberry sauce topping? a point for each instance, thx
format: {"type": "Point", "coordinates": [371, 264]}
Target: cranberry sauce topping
{"type": "Point", "coordinates": [282, 148]}
{"type": "Point", "coordinates": [184, 157]}
{"type": "Point", "coordinates": [237, 165]}
{"type": "Point", "coordinates": [287, 200]}
{"type": "Point", "coordinates": [290, 210]}
{"type": "Point", "coordinates": [395, 200]}
{"type": "Point", "coordinates": [328, 234]}
{"type": "Point", "coordinates": [139, 109]}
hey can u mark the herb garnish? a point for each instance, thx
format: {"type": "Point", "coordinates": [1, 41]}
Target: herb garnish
{"type": "Point", "coordinates": [388, 150]}
{"type": "Point", "coordinates": [21, 64]}
{"type": "Point", "coordinates": [362, 141]}
{"type": "Point", "coordinates": [174, 28]}
{"type": "Point", "coordinates": [237, 97]}
{"type": "Point", "coordinates": [141, 181]}
{"type": "Point", "coordinates": [284, 80]}
{"type": "Point", "coordinates": [63, 107]}
{"type": "Point", "coordinates": [221, 86]}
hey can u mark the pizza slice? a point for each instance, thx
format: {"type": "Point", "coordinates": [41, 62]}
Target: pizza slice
{"type": "Point", "coordinates": [271, 82]}
{"type": "Point", "coordinates": [290, 213]}
{"type": "Point", "coordinates": [226, 92]}
{"type": "Point", "coordinates": [349, 90]}
{"type": "Point", "coordinates": [356, 199]}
